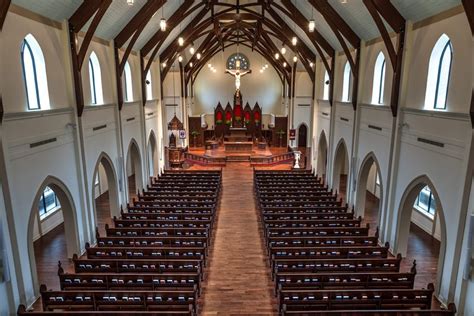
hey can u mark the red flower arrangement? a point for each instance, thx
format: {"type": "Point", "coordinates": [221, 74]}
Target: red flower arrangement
{"type": "Point", "coordinates": [228, 118]}
{"type": "Point", "coordinates": [247, 118]}
{"type": "Point", "coordinates": [256, 118]}
{"type": "Point", "coordinates": [219, 118]}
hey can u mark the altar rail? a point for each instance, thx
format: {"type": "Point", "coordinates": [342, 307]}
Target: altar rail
{"type": "Point", "coordinates": [272, 160]}
{"type": "Point", "coordinates": [205, 160]}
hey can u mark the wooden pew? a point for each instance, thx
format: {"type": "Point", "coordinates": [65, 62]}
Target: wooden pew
{"type": "Point", "coordinates": [316, 231]}
{"type": "Point", "coordinates": [23, 311]}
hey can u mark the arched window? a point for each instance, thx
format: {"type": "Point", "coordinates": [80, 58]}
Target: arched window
{"type": "Point", "coordinates": [48, 202]}
{"type": "Point", "coordinates": [346, 83]}
{"type": "Point", "coordinates": [326, 86]}
{"type": "Point", "coordinates": [128, 83]}
{"type": "Point", "coordinates": [379, 79]}
{"type": "Point", "coordinates": [34, 74]}
{"type": "Point", "coordinates": [149, 92]}
{"type": "Point", "coordinates": [95, 77]}
{"type": "Point", "coordinates": [439, 72]}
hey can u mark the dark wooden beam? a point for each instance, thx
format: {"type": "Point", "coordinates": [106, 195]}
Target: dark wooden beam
{"type": "Point", "coordinates": [355, 82]}
{"type": "Point", "coordinates": [4, 5]}
{"type": "Point", "coordinates": [77, 21]}
{"type": "Point", "coordinates": [332, 76]}
{"type": "Point", "coordinates": [377, 10]}
{"type": "Point", "coordinates": [204, 45]}
{"type": "Point", "coordinates": [469, 9]}
{"type": "Point", "coordinates": [1, 109]}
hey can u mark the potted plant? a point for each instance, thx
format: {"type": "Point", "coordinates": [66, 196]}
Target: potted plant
{"type": "Point", "coordinates": [194, 134]}
{"type": "Point", "coordinates": [280, 134]}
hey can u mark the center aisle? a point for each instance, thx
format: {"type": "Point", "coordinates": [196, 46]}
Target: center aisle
{"type": "Point", "coordinates": [238, 276]}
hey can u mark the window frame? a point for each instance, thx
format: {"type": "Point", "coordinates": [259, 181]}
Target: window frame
{"type": "Point", "coordinates": [42, 200]}
{"type": "Point", "coordinates": [431, 201]}
{"type": "Point", "coordinates": [326, 85]}
{"type": "Point", "coordinates": [126, 80]}
{"type": "Point", "coordinates": [149, 87]}
{"type": "Point", "coordinates": [93, 82]}
{"type": "Point", "coordinates": [438, 79]}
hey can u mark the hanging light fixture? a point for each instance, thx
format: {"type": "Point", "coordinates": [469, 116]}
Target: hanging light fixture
{"type": "Point", "coordinates": [294, 41]}
{"type": "Point", "coordinates": [311, 64]}
{"type": "Point", "coordinates": [295, 59]}
{"type": "Point", "coordinates": [266, 66]}
{"type": "Point", "coordinates": [180, 41]}
{"type": "Point", "coordinates": [283, 50]}
{"type": "Point", "coordinates": [130, 2]}
{"type": "Point", "coordinates": [191, 49]}
{"type": "Point", "coordinates": [209, 65]}
{"type": "Point", "coordinates": [311, 25]}
{"type": "Point", "coordinates": [164, 64]}
{"type": "Point", "coordinates": [198, 56]}
{"type": "Point", "coordinates": [163, 24]}
{"type": "Point", "coordinates": [261, 70]}
{"type": "Point", "coordinates": [180, 58]}
{"type": "Point", "coordinates": [214, 70]}
{"type": "Point", "coordinates": [284, 64]}
{"type": "Point", "coordinates": [277, 56]}
{"type": "Point", "coordinates": [191, 65]}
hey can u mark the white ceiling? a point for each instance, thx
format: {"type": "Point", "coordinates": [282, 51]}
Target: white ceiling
{"type": "Point", "coordinates": [353, 12]}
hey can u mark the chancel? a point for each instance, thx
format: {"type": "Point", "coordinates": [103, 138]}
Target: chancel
{"type": "Point", "coordinates": [237, 157]}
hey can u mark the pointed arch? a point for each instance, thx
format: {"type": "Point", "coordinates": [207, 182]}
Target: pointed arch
{"type": "Point", "coordinates": [112, 185]}
{"type": "Point", "coordinates": [302, 135]}
{"type": "Point", "coordinates": [34, 74]}
{"type": "Point", "coordinates": [346, 83]}
{"type": "Point", "coordinates": [439, 73]}
{"type": "Point", "coordinates": [128, 82]}
{"type": "Point", "coordinates": [341, 162]}
{"type": "Point", "coordinates": [322, 155]}
{"type": "Point", "coordinates": [404, 219]}
{"type": "Point", "coordinates": [134, 164]}
{"type": "Point", "coordinates": [378, 85]}
{"type": "Point", "coordinates": [362, 179]}
{"type": "Point", "coordinates": [152, 150]}
{"type": "Point", "coordinates": [95, 77]}
{"type": "Point", "coordinates": [70, 222]}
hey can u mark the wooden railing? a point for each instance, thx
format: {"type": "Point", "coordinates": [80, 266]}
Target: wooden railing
{"type": "Point", "coordinates": [272, 160]}
{"type": "Point", "coordinates": [205, 160]}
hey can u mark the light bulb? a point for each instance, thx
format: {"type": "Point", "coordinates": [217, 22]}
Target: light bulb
{"type": "Point", "coordinates": [130, 2]}
{"type": "Point", "coordinates": [180, 58]}
{"type": "Point", "coordinates": [295, 59]}
{"type": "Point", "coordinates": [294, 40]}
{"type": "Point", "coordinates": [214, 70]}
{"type": "Point", "coordinates": [283, 50]}
{"type": "Point", "coordinates": [163, 24]}
{"type": "Point", "coordinates": [311, 64]}
{"type": "Point", "coordinates": [209, 65]}
{"type": "Point", "coordinates": [311, 25]}
{"type": "Point", "coordinates": [284, 64]}
{"type": "Point", "coordinates": [261, 70]}
{"type": "Point", "coordinates": [180, 41]}
{"type": "Point", "coordinates": [266, 65]}
{"type": "Point", "coordinates": [164, 65]}
{"type": "Point", "coordinates": [191, 50]}
{"type": "Point", "coordinates": [191, 64]}
{"type": "Point", "coordinates": [277, 55]}
{"type": "Point", "coordinates": [198, 56]}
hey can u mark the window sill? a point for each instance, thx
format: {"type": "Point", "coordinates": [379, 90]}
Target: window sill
{"type": "Point", "coordinates": [424, 213]}
{"type": "Point", "coordinates": [49, 213]}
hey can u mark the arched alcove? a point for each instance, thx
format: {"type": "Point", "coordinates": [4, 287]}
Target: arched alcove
{"type": "Point", "coordinates": [405, 219]}
{"type": "Point", "coordinates": [104, 190]}
{"type": "Point", "coordinates": [68, 210]}
{"type": "Point", "coordinates": [134, 169]}
{"type": "Point", "coordinates": [303, 136]}
{"type": "Point", "coordinates": [340, 167]}
{"type": "Point", "coordinates": [322, 155]}
{"type": "Point", "coordinates": [369, 175]}
{"type": "Point", "coordinates": [152, 155]}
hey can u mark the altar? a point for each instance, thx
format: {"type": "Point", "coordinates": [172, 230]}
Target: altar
{"type": "Point", "coordinates": [238, 147]}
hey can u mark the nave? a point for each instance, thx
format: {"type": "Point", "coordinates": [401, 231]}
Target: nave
{"type": "Point", "coordinates": [238, 277]}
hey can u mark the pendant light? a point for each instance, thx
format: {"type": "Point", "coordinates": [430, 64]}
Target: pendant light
{"type": "Point", "coordinates": [294, 41]}
{"type": "Point", "coordinates": [130, 2]}
{"type": "Point", "coordinates": [180, 41]}
{"type": "Point", "coordinates": [198, 56]}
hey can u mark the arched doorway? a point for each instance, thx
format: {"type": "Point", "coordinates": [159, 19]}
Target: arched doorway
{"type": "Point", "coordinates": [302, 136]}
{"type": "Point", "coordinates": [369, 191]}
{"type": "Point", "coordinates": [322, 155]}
{"type": "Point", "coordinates": [104, 192]}
{"type": "Point", "coordinates": [62, 241]}
{"type": "Point", "coordinates": [340, 168]}
{"type": "Point", "coordinates": [152, 155]}
{"type": "Point", "coordinates": [134, 169]}
{"type": "Point", "coordinates": [424, 244]}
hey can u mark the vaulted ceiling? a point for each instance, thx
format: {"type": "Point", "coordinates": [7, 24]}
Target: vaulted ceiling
{"type": "Point", "coordinates": [264, 25]}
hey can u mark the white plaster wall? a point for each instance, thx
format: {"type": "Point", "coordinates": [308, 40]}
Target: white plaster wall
{"type": "Point", "coordinates": [56, 56]}
{"type": "Point", "coordinates": [445, 167]}
{"type": "Point", "coordinates": [29, 167]}
{"type": "Point", "coordinates": [424, 39]}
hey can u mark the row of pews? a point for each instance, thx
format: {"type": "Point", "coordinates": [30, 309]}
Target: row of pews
{"type": "Point", "coordinates": [151, 261]}
{"type": "Point", "coordinates": [322, 258]}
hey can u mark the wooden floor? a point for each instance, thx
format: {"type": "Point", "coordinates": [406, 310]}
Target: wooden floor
{"type": "Point", "coordinates": [237, 279]}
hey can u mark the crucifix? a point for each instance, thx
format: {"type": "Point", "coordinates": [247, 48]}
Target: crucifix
{"type": "Point", "coordinates": [237, 73]}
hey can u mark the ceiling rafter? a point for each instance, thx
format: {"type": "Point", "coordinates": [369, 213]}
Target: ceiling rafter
{"type": "Point", "coordinates": [4, 5]}
{"type": "Point", "coordinates": [87, 10]}
{"type": "Point", "coordinates": [378, 10]}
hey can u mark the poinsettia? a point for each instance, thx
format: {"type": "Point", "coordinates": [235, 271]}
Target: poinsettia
{"type": "Point", "coordinates": [219, 118]}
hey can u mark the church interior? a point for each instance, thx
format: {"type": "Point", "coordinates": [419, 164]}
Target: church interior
{"type": "Point", "coordinates": [237, 157]}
